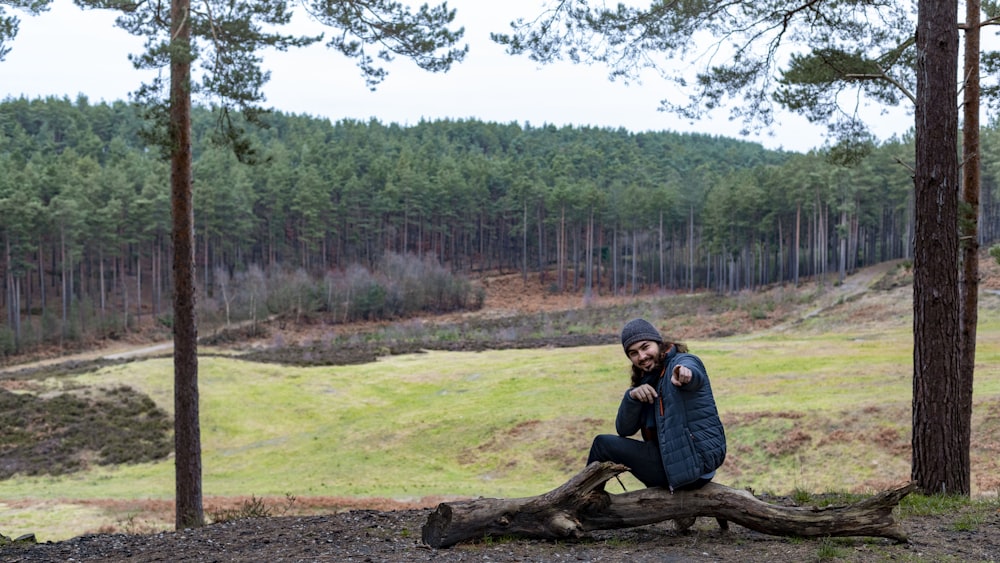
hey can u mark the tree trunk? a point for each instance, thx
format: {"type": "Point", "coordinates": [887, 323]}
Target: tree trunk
{"type": "Point", "coordinates": [635, 262]}
{"type": "Point", "coordinates": [969, 223]}
{"type": "Point", "coordinates": [64, 284]}
{"type": "Point", "coordinates": [798, 244]}
{"type": "Point", "coordinates": [187, 433]}
{"type": "Point", "coordinates": [940, 458]}
{"type": "Point", "coordinates": [853, 241]}
{"type": "Point", "coordinates": [842, 267]}
{"type": "Point", "coordinates": [589, 289]}
{"type": "Point", "coordinates": [561, 249]}
{"type": "Point", "coordinates": [581, 505]}
{"type": "Point", "coordinates": [138, 289]}
{"type": "Point", "coordinates": [659, 250]}
{"type": "Point", "coordinates": [524, 244]}
{"type": "Point", "coordinates": [691, 249]}
{"type": "Point", "coordinates": [540, 226]}
{"type": "Point", "coordinates": [15, 304]}
{"type": "Point", "coordinates": [41, 278]}
{"type": "Point", "coordinates": [614, 261]}
{"type": "Point", "coordinates": [13, 313]}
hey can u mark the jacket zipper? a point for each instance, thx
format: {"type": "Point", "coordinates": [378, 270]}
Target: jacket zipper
{"type": "Point", "coordinates": [662, 373]}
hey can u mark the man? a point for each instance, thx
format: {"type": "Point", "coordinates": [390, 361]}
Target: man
{"type": "Point", "coordinates": [670, 403]}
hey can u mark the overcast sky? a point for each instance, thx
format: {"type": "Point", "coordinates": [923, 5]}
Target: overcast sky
{"type": "Point", "coordinates": [67, 52]}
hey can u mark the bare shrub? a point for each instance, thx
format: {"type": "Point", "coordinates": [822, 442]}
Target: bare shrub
{"type": "Point", "coordinates": [292, 293]}
{"type": "Point", "coordinates": [402, 286]}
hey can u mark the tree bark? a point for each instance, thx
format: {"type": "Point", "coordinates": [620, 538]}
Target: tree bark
{"type": "Point", "coordinates": [940, 458]}
{"type": "Point", "coordinates": [187, 430]}
{"type": "Point", "coordinates": [969, 219]}
{"type": "Point", "coordinates": [581, 505]}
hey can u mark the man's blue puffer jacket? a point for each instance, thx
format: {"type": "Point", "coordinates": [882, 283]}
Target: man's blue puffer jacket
{"type": "Point", "coordinates": [688, 428]}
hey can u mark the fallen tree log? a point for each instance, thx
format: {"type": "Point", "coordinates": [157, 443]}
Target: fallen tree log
{"type": "Point", "coordinates": [581, 505]}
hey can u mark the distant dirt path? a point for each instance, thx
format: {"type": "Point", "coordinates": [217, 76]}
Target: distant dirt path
{"type": "Point", "coordinates": [117, 353]}
{"type": "Point", "coordinates": [854, 286]}
{"type": "Point", "coordinates": [144, 351]}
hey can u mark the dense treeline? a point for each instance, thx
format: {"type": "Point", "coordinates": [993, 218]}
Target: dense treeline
{"type": "Point", "coordinates": [360, 219]}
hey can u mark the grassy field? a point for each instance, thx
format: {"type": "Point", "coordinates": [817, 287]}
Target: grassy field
{"type": "Point", "coordinates": [805, 410]}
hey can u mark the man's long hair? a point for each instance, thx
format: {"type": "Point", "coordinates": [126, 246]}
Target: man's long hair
{"type": "Point", "coordinates": [661, 358]}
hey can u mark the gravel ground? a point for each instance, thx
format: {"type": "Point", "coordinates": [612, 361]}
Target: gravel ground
{"type": "Point", "coordinates": [394, 536]}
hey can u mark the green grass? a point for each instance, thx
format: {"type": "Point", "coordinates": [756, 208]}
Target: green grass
{"type": "Point", "coordinates": [50, 520]}
{"type": "Point", "coordinates": [831, 549]}
{"type": "Point", "coordinates": [972, 513]}
{"type": "Point", "coordinates": [804, 413]}
{"type": "Point", "coordinates": [922, 505]}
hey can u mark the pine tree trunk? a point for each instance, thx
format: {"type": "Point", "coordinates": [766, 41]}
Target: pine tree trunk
{"type": "Point", "coordinates": [187, 432]}
{"type": "Point", "coordinates": [969, 223]}
{"type": "Point", "coordinates": [940, 458]}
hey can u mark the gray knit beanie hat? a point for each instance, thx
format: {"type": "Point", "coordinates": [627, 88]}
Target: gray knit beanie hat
{"type": "Point", "coordinates": [638, 330]}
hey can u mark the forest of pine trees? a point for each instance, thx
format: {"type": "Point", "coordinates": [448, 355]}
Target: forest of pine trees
{"type": "Point", "coordinates": [367, 220]}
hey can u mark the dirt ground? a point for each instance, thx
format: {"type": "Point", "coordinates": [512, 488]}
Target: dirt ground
{"type": "Point", "coordinates": [393, 533]}
{"type": "Point", "coordinates": [394, 536]}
